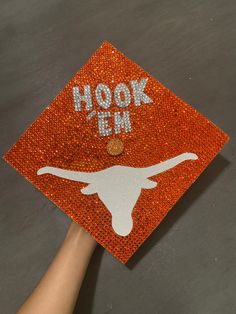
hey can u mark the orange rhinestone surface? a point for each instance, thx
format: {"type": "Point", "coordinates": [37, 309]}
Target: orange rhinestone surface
{"type": "Point", "coordinates": [64, 138]}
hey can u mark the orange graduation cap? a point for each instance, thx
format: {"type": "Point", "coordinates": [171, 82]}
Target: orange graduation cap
{"type": "Point", "coordinates": [115, 150]}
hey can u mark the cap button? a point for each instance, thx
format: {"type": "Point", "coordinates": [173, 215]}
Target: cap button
{"type": "Point", "coordinates": [115, 147]}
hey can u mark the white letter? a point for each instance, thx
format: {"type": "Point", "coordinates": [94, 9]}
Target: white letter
{"type": "Point", "coordinates": [123, 122]}
{"type": "Point", "coordinates": [138, 91]}
{"type": "Point", "coordinates": [104, 103]}
{"type": "Point", "coordinates": [103, 124]}
{"type": "Point", "coordinates": [78, 98]}
{"type": "Point", "coordinates": [124, 89]}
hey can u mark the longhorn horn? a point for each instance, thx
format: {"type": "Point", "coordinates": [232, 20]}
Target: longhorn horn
{"type": "Point", "coordinates": [85, 177]}
{"type": "Point", "coordinates": [168, 164]}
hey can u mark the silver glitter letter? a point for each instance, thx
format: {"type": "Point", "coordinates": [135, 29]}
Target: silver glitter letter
{"type": "Point", "coordinates": [122, 122]}
{"type": "Point", "coordinates": [122, 88]}
{"type": "Point", "coordinates": [87, 97]}
{"type": "Point", "coordinates": [104, 103]}
{"type": "Point", "coordinates": [138, 91]}
{"type": "Point", "coordinates": [103, 124]}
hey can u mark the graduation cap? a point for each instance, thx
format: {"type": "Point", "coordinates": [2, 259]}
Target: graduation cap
{"type": "Point", "coordinates": [115, 150]}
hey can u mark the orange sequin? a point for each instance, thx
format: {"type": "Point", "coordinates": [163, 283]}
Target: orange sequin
{"type": "Point", "coordinates": [64, 138]}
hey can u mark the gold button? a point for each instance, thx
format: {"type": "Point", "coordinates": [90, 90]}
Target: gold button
{"type": "Point", "coordinates": [115, 147]}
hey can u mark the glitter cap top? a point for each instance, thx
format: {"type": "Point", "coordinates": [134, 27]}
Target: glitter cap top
{"type": "Point", "coordinates": [115, 150]}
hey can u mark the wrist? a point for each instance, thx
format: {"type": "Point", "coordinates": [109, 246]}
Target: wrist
{"type": "Point", "coordinates": [79, 237]}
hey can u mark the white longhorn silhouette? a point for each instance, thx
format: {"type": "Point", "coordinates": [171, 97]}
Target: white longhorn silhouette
{"type": "Point", "coordinates": [119, 187]}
